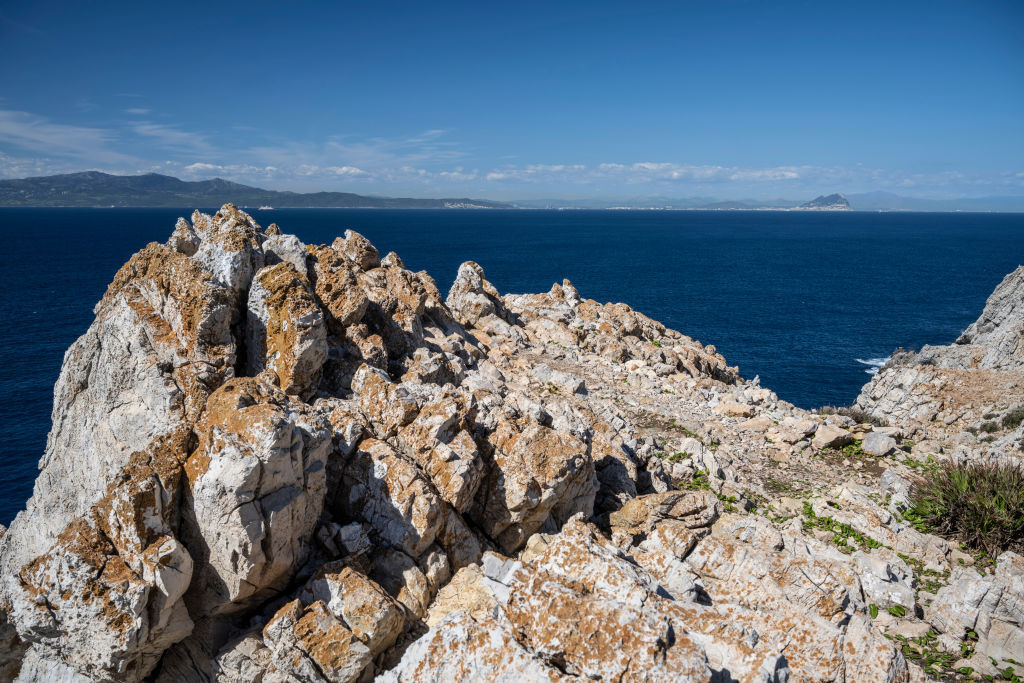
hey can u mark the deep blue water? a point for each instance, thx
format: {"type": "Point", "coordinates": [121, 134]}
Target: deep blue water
{"type": "Point", "coordinates": [793, 297]}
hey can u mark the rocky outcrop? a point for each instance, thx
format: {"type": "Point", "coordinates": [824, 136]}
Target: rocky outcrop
{"type": "Point", "coordinates": [273, 461]}
{"type": "Point", "coordinates": [945, 390]}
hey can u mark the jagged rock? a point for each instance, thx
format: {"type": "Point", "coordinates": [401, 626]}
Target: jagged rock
{"type": "Point", "coordinates": [256, 488]}
{"type": "Point", "coordinates": [537, 475]}
{"type": "Point", "coordinates": [311, 644]}
{"type": "Point", "coordinates": [337, 514]}
{"type": "Point", "coordinates": [886, 579]}
{"type": "Point", "coordinates": [161, 342]}
{"type": "Point", "coordinates": [466, 648]}
{"type": "Point", "coordinates": [472, 298]}
{"type": "Point", "coordinates": [358, 249]}
{"type": "Point", "coordinates": [985, 363]}
{"type": "Point", "coordinates": [285, 248]}
{"type": "Point", "coordinates": [285, 331]}
{"type": "Point", "coordinates": [440, 439]}
{"type": "Point", "coordinates": [388, 492]}
{"type": "Point", "coordinates": [991, 606]}
{"type": "Point", "coordinates": [360, 604]}
{"type": "Point", "coordinates": [106, 598]}
{"type": "Point", "coordinates": [1000, 328]}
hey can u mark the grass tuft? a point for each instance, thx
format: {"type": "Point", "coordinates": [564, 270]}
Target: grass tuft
{"type": "Point", "coordinates": [979, 504]}
{"type": "Point", "coordinates": [855, 414]}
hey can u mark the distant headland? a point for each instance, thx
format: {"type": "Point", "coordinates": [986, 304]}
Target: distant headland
{"type": "Point", "coordinates": [98, 189]}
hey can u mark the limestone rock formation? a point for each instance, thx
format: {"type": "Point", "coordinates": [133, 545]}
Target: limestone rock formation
{"type": "Point", "coordinates": [945, 390]}
{"type": "Point", "coordinates": [280, 462]}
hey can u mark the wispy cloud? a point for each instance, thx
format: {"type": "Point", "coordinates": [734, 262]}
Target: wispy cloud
{"type": "Point", "coordinates": [38, 134]}
{"type": "Point", "coordinates": [170, 137]}
{"type": "Point", "coordinates": [430, 161]}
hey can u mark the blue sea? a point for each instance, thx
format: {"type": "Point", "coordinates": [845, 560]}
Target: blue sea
{"type": "Point", "coordinates": [811, 302]}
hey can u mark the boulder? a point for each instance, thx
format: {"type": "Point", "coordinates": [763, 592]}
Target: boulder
{"type": "Point", "coordinates": [828, 436]}
{"type": "Point", "coordinates": [879, 444]}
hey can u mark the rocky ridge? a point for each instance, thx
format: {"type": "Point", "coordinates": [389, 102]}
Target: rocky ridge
{"type": "Point", "coordinates": [301, 463]}
{"type": "Point", "coordinates": [961, 397]}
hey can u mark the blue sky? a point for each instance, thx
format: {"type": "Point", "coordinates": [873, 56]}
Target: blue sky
{"type": "Point", "coordinates": [723, 98]}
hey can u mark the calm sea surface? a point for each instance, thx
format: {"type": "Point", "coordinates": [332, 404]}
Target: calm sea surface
{"type": "Point", "coordinates": [804, 300]}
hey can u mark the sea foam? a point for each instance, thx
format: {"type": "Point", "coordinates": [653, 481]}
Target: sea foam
{"type": "Point", "coordinates": [874, 363]}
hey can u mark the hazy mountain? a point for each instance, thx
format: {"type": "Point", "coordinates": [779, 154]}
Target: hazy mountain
{"type": "Point", "coordinates": [832, 202]}
{"type": "Point", "coordinates": [93, 188]}
{"type": "Point", "coordinates": [887, 201]}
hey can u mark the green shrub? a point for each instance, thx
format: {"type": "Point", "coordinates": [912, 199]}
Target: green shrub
{"type": "Point", "coordinates": [1014, 418]}
{"type": "Point", "coordinates": [979, 504]}
{"type": "Point", "coordinates": [856, 414]}
{"type": "Point", "coordinates": [989, 427]}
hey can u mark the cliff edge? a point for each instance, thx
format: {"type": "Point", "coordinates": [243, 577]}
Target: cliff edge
{"type": "Point", "coordinates": [286, 462]}
{"type": "Point", "coordinates": [962, 395]}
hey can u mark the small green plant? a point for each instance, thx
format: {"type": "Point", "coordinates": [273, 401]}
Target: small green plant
{"type": "Point", "coordinates": [897, 611]}
{"type": "Point", "coordinates": [678, 456]}
{"type": "Point", "coordinates": [656, 343]}
{"type": "Point", "coordinates": [1014, 418]}
{"type": "Point", "coordinates": [873, 610]}
{"type": "Point", "coordinates": [989, 427]}
{"type": "Point", "coordinates": [842, 533]}
{"type": "Point", "coordinates": [981, 505]}
{"type": "Point", "coordinates": [699, 482]}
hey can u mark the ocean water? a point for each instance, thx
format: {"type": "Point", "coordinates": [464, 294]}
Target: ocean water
{"type": "Point", "coordinates": [811, 302]}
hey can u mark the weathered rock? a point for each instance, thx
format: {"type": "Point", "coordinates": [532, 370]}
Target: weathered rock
{"type": "Point", "coordinates": [106, 598]}
{"type": "Point", "coordinates": [161, 342]}
{"type": "Point", "coordinates": [359, 603]}
{"type": "Point", "coordinates": [885, 579]}
{"type": "Point", "coordinates": [828, 436]}
{"type": "Point", "coordinates": [440, 439]}
{"type": "Point", "coordinates": [734, 409]}
{"type": "Point", "coordinates": [311, 644]}
{"type": "Point", "coordinates": [283, 537]}
{"type": "Point", "coordinates": [991, 606]}
{"type": "Point", "coordinates": [256, 489]}
{"type": "Point", "coordinates": [1000, 328]}
{"type": "Point", "coordinates": [285, 330]}
{"type": "Point", "coordinates": [878, 444]}
{"type": "Point", "coordinates": [388, 492]}
{"type": "Point", "coordinates": [285, 248]}
{"type": "Point", "coordinates": [537, 475]}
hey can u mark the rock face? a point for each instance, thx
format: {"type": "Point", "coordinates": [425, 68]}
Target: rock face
{"type": "Point", "coordinates": [280, 462]}
{"type": "Point", "coordinates": [944, 389]}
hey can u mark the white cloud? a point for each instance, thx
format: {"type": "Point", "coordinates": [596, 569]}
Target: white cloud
{"type": "Point", "coordinates": [172, 137]}
{"type": "Point", "coordinates": [33, 133]}
{"type": "Point", "coordinates": [429, 163]}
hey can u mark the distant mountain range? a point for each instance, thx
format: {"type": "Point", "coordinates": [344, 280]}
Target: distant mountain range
{"type": "Point", "coordinates": [93, 188]}
{"type": "Point", "coordinates": [870, 201]}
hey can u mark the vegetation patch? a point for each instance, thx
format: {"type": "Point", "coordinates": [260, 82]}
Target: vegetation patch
{"type": "Point", "coordinates": [1014, 418]}
{"type": "Point", "coordinates": [982, 505]}
{"type": "Point", "coordinates": [701, 482]}
{"type": "Point", "coordinates": [678, 456]}
{"type": "Point", "coordinates": [842, 534]}
{"type": "Point", "coordinates": [855, 414]}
